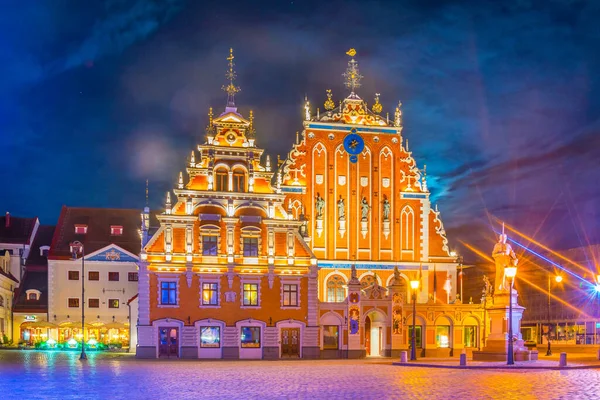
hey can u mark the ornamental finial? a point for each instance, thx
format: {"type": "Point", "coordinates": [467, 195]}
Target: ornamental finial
{"type": "Point", "coordinates": [180, 180]}
{"type": "Point", "coordinates": [352, 76]}
{"type": "Point", "coordinates": [398, 115]}
{"type": "Point", "coordinates": [210, 130]}
{"type": "Point", "coordinates": [377, 107]}
{"type": "Point", "coordinates": [306, 109]}
{"type": "Point", "coordinates": [193, 159]}
{"type": "Point", "coordinates": [329, 104]}
{"type": "Point", "coordinates": [424, 185]}
{"type": "Point", "coordinates": [231, 89]}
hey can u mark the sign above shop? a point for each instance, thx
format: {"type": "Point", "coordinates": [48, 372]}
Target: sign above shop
{"type": "Point", "coordinates": [30, 318]}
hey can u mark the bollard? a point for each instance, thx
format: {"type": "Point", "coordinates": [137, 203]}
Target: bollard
{"type": "Point", "coordinates": [463, 360]}
{"type": "Point", "coordinates": [403, 356]}
{"type": "Point", "coordinates": [562, 362]}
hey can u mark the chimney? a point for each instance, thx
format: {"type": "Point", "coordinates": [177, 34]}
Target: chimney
{"type": "Point", "coordinates": [7, 220]}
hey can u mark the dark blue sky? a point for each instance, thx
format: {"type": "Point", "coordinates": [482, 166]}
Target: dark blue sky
{"type": "Point", "coordinates": [501, 98]}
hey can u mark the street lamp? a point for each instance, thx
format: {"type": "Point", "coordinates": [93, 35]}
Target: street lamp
{"type": "Point", "coordinates": [510, 272]}
{"type": "Point", "coordinates": [76, 248]}
{"type": "Point", "coordinates": [558, 279]}
{"type": "Point", "coordinates": [413, 341]}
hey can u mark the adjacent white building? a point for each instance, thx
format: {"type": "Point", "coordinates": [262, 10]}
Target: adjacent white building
{"type": "Point", "coordinates": [111, 243]}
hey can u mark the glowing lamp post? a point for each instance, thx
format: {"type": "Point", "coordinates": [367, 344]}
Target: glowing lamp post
{"type": "Point", "coordinates": [413, 341]}
{"type": "Point", "coordinates": [598, 283]}
{"type": "Point", "coordinates": [510, 273]}
{"type": "Point", "coordinates": [558, 279]}
{"type": "Point", "coordinates": [77, 248]}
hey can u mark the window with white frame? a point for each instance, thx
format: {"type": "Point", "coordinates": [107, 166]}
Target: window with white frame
{"type": "Point", "coordinates": [210, 245]}
{"type": "Point", "coordinates": [81, 229]}
{"type": "Point", "coordinates": [290, 295]}
{"type": "Point", "coordinates": [116, 230]}
{"type": "Point", "coordinates": [168, 293]}
{"type": "Point", "coordinates": [336, 291]}
{"type": "Point", "coordinates": [250, 294]}
{"type": "Point", "coordinates": [250, 246]}
{"type": "Point", "coordinates": [210, 294]}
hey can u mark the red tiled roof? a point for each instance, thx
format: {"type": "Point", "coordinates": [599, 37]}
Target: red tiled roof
{"type": "Point", "coordinates": [18, 230]}
{"type": "Point", "coordinates": [98, 236]}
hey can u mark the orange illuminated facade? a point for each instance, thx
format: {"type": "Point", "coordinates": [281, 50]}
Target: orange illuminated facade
{"type": "Point", "coordinates": [227, 274]}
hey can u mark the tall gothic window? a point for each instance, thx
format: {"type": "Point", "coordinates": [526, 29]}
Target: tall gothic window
{"type": "Point", "coordinates": [336, 292]}
{"type": "Point", "coordinates": [239, 181]}
{"type": "Point", "coordinates": [408, 228]}
{"type": "Point", "coordinates": [222, 180]}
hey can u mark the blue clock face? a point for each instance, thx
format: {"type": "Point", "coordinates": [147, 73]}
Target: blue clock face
{"type": "Point", "coordinates": [354, 144]}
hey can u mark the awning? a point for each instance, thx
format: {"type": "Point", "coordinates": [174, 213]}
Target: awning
{"type": "Point", "coordinates": [38, 325]}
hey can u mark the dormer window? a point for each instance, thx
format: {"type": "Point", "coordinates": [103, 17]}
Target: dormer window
{"type": "Point", "coordinates": [33, 294]}
{"type": "Point", "coordinates": [116, 230]}
{"type": "Point", "coordinates": [44, 251]}
{"type": "Point", "coordinates": [81, 229]}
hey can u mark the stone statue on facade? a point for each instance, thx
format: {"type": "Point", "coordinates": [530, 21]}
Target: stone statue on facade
{"type": "Point", "coordinates": [487, 290]}
{"type": "Point", "coordinates": [364, 207]}
{"type": "Point", "coordinates": [504, 256]}
{"type": "Point", "coordinates": [320, 206]}
{"type": "Point", "coordinates": [341, 209]}
{"type": "Point", "coordinates": [386, 209]}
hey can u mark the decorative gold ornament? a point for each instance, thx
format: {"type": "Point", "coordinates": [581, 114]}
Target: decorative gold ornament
{"type": "Point", "coordinates": [352, 75]}
{"type": "Point", "coordinates": [377, 107]}
{"type": "Point", "coordinates": [231, 89]}
{"type": "Point", "coordinates": [329, 104]}
{"type": "Point", "coordinates": [351, 52]}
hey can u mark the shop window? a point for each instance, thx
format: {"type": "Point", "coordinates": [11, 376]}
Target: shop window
{"type": "Point", "coordinates": [93, 276]}
{"type": "Point", "coordinates": [113, 303]}
{"type": "Point", "coordinates": [331, 337]}
{"type": "Point", "coordinates": [94, 303]}
{"type": "Point", "coordinates": [336, 293]}
{"type": "Point", "coordinates": [73, 275]}
{"type": "Point", "coordinates": [418, 336]}
{"type": "Point", "coordinates": [250, 294]}
{"type": "Point", "coordinates": [116, 230]}
{"type": "Point", "coordinates": [470, 333]}
{"type": "Point", "coordinates": [290, 295]}
{"type": "Point", "coordinates": [250, 245]}
{"type": "Point", "coordinates": [73, 302]}
{"type": "Point", "coordinates": [239, 181]}
{"type": "Point", "coordinates": [442, 336]}
{"type": "Point", "coordinates": [210, 336]}
{"type": "Point", "coordinates": [209, 245]}
{"type": "Point", "coordinates": [210, 294]}
{"type": "Point", "coordinates": [168, 293]}
{"type": "Point", "coordinates": [132, 276]}
{"type": "Point", "coordinates": [222, 180]}
{"type": "Point", "coordinates": [113, 276]}
{"type": "Point", "coordinates": [250, 337]}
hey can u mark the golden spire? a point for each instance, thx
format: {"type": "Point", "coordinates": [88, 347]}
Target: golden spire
{"type": "Point", "coordinates": [210, 130]}
{"type": "Point", "coordinates": [329, 104]}
{"type": "Point", "coordinates": [377, 107]}
{"type": "Point", "coordinates": [251, 131]}
{"type": "Point", "coordinates": [231, 89]}
{"type": "Point", "coordinates": [352, 76]}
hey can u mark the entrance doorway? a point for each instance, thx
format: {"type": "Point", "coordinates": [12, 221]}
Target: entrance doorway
{"type": "Point", "coordinates": [168, 342]}
{"type": "Point", "coordinates": [290, 342]}
{"type": "Point", "coordinates": [374, 324]}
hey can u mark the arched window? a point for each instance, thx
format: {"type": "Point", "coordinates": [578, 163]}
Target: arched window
{"type": "Point", "coordinates": [32, 296]}
{"type": "Point", "coordinates": [367, 281]}
{"type": "Point", "coordinates": [239, 181]}
{"type": "Point", "coordinates": [1, 301]}
{"type": "Point", "coordinates": [336, 292]}
{"type": "Point", "coordinates": [221, 180]}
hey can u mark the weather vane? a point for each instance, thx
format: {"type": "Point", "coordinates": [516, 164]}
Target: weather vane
{"type": "Point", "coordinates": [352, 75]}
{"type": "Point", "coordinates": [231, 89]}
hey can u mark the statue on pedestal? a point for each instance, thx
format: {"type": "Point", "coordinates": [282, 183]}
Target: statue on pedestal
{"type": "Point", "coordinates": [364, 209]}
{"type": "Point", "coordinates": [386, 209]}
{"type": "Point", "coordinates": [320, 206]}
{"type": "Point", "coordinates": [504, 256]}
{"type": "Point", "coordinates": [341, 209]}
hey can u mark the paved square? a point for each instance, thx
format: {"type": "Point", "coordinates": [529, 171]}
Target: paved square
{"type": "Point", "coordinates": [60, 375]}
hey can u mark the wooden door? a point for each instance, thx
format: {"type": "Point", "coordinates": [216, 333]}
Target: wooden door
{"type": "Point", "coordinates": [168, 342]}
{"type": "Point", "coordinates": [290, 342]}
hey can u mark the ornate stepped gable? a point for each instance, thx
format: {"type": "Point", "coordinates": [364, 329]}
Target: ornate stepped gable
{"type": "Point", "coordinates": [228, 194]}
{"type": "Point", "coordinates": [320, 165]}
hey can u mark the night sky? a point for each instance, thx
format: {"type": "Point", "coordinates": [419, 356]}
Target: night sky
{"type": "Point", "coordinates": [501, 99]}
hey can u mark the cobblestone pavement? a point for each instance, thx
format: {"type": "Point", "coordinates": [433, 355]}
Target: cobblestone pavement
{"type": "Point", "coordinates": [54, 375]}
